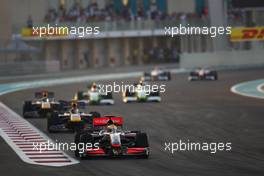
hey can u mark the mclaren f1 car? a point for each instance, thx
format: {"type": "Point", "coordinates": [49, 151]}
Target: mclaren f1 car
{"type": "Point", "coordinates": [108, 138]}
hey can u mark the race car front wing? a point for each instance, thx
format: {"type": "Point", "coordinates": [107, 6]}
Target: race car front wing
{"type": "Point", "coordinates": [135, 151]}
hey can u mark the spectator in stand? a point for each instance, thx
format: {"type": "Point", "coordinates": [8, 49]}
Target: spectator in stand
{"type": "Point", "coordinates": [74, 12]}
{"type": "Point", "coordinates": [29, 22]}
{"type": "Point", "coordinates": [126, 13]}
{"type": "Point", "coordinates": [153, 11]}
{"type": "Point", "coordinates": [51, 15]}
{"type": "Point", "coordinates": [140, 13]}
{"type": "Point", "coordinates": [108, 13]}
{"type": "Point", "coordinates": [61, 14]}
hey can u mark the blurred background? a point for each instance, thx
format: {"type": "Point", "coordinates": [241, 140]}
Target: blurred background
{"type": "Point", "coordinates": [131, 33]}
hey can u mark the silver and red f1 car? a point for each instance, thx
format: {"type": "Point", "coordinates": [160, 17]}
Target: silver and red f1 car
{"type": "Point", "coordinates": [203, 74]}
{"type": "Point", "coordinates": [109, 139]}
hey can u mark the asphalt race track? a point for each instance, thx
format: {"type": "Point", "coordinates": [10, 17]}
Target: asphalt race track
{"type": "Point", "coordinates": [197, 111]}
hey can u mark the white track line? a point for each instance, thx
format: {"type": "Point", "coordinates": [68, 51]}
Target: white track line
{"type": "Point", "coordinates": [234, 90]}
{"type": "Point", "coordinates": [21, 140]}
{"type": "Point", "coordinates": [258, 88]}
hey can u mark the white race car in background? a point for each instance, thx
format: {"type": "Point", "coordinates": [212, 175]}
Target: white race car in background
{"type": "Point", "coordinates": [140, 93]}
{"type": "Point", "coordinates": [94, 97]}
{"type": "Point", "coordinates": [203, 74]}
{"type": "Point", "coordinates": [156, 74]}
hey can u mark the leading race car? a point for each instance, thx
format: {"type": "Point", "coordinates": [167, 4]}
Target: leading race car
{"type": "Point", "coordinates": [42, 106]}
{"type": "Point", "coordinates": [109, 139]}
{"type": "Point", "coordinates": [70, 119]}
{"type": "Point", "coordinates": [156, 74]}
{"type": "Point", "coordinates": [94, 97]}
{"type": "Point", "coordinates": [141, 93]}
{"type": "Point", "coordinates": [203, 74]}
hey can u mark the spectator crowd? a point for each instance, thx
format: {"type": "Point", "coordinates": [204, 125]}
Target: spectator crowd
{"type": "Point", "coordinates": [92, 13]}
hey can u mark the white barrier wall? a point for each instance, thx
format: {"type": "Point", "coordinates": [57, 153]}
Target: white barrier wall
{"type": "Point", "coordinates": [29, 67]}
{"type": "Point", "coordinates": [223, 59]}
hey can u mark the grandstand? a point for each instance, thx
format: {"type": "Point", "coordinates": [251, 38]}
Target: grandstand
{"type": "Point", "coordinates": [131, 32]}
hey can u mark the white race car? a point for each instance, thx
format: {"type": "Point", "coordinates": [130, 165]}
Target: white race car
{"type": "Point", "coordinates": [156, 75]}
{"type": "Point", "coordinates": [94, 97]}
{"type": "Point", "coordinates": [141, 93]}
{"type": "Point", "coordinates": [203, 74]}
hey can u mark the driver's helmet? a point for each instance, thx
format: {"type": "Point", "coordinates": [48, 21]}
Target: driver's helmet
{"type": "Point", "coordinates": [74, 107]}
{"type": "Point", "coordinates": [94, 87]}
{"type": "Point", "coordinates": [44, 94]}
{"type": "Point", "coordinates": [110, 126]}
{"type": "Point", "coordinates": [140, 84]}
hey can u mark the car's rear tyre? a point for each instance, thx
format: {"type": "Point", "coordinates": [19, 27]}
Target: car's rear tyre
{"type": "Point", "coordinates": [49, 124]}
{"type": "Point", "coordinates": [109, 95]}
{"type": "Point", "coordinates": [169, 76]}
{"type": "Point", "coordinates": [216, 76]}
{"type": "Point", "coordinates": [94, 114]}
{"type": "Point", "coordinates": [52, 120]}
{"type": "Point", "coordinates": [27, 107]}
{"type": "Point", "coordinates": [77, 141]}
{"type": "Point", "coordinates": [155, 94]}
{"type": "Point", "coordinates": [146, 76]}
{"type": "Point", "coordinates": [82, 137]}
{"type": "Point", "coordinates": [142, 141]}
{"type": "Point", "coordinates": [80, 95]}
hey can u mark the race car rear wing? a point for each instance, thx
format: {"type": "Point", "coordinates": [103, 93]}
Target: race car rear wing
{"type": "Point", "coordinates": [40, 94]}
{"type": "Point", "coordinates": [67, 104]}
{"type": "Point", "coordinates": [102, 121]}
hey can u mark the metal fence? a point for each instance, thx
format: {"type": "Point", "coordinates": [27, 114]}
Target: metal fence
{"type": "Point", "coordinates": [123, 25]}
